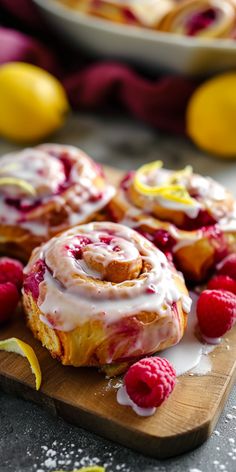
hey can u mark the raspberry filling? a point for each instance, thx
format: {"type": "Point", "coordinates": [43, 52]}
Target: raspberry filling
{"type": "Point", "coordinates": [125, 183]}
{"type": "Point", "coordinates": [32, 280]}
{"type": "Point", "coordinates": [161, 239]}
{"type": "Point", "coordinates": [96, 198]}
{"type": "Point", "coordinates": [218, 240]}
{"type": "Point", "coordinates": [200, 21]}
{"type": "Point", "coordinates": [106, 239]}
{"type": "Point", "coordinates": [67, 164]}
{"type": "Point", "coordinates": [129, 15]}
{"type": "Point", "coordinates": [23, 206]}
{"type": "Point", "coordinates": [77, 250]}
{"type": "Point", "coordinates": [203, 219]}
{"type": "Point", "coordinates": [97, 4]}
{"type": "Point", "coordinates": [151, 289]}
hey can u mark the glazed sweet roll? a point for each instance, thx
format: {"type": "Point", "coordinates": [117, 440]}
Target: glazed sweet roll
{"type": "Point", "coordinates": [101, 293]}
{"type": "Point", "coordinates": [44, 190]}
{"type": "Point", "coordinates": [147, 13]}
{"type": "Point", "coordinates": [202, 18]}
{"type": "Point", "coordinates": [190, 217]}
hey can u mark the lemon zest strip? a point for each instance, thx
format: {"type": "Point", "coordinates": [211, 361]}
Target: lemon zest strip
{"type": "Point", "coordinates": [93, 468]}
{"type": "Point", "coordinates": [177, 193]}
{"type": "Point", "coordinates": [18, 183]}
{"type": "Point", "coordinates": [186, 172]}
{"type": "Point", "coordinates": [17, 346]}
{"type": "Point", "coordinates": [9, 167]}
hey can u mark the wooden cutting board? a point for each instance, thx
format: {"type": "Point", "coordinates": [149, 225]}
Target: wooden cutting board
{"type": "Point", "coordinates": [82, 396]}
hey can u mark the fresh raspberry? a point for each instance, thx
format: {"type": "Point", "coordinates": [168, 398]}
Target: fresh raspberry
{"type": "Point", "coordinates": [150, 381]}
{"type": "Point", "coordinates": [11, 270]}
{"type": "Point", "coordinates": [222, 282]}
{"type": "Point", "coordinates": [9, 298]}
{"type": "Point", "coordinates": [216, 312]}
{"type": "Point", "coordinates": [228, 266]}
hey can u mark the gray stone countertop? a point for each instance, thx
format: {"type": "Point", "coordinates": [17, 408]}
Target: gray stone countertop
{"type": "Point", "coordinates": [30, 439]}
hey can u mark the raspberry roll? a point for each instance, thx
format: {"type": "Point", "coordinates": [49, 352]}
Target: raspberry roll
{"type": "Point", "coordinates": [146, 13]}
{"type": "Point", "coordinates": [44, 190]}
{"type": "Point", "coordinates": [190, 217]}
{"type": "Point", "coordinates": [102, 294]}
{"type": "Point", "coordinates": [202, 18]}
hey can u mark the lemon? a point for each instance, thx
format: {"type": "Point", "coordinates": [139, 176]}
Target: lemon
{"type": "Point", "coordinates": [25, 350]}
{"type": "Point", "coordinates": [33, 102]}
{"type": "Point", "coordinates": [211, 116]}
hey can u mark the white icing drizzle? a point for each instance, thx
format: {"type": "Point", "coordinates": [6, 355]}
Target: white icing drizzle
{"type": "Point", "coordinates": [71, 292]}
{"type": "Point", "coordinates": [190, 351]}
{"type": "Point", "coordinates": [42, 168]}
{"type": "Point", "coordinates": [228, 224]}
{"type": "Point", "coordinates": [212, 341]}
{"type": "Point", "coordinates": [124, 399]}
{"type": "Point", "coordinates": [188, 356]}
{"type": "Point", "coordinates": [190, 210]}
{"type": "Point", "coordinates": [45, 173]}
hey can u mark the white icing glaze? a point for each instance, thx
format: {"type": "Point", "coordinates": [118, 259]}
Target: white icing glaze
{"type": "Point", "coordinates": [203, 367]}
{"type": "Point", "coordinates": [190, 210]}
{"type": "Point", "coordinates": [212, 341]}
{"type": "Point", "coordinates": [228, 224]}
{"type": "Point", "coordinates": [150, 12]}
{"type": "Point", "coordinates": [42, 168]}
{"type": "Point", "coordinates": [223, 262]}
{"type": "Point", "coordinates": [189, 352]}
{"type": "Point", "coordinates": [124, 399]}
{"type": "Point", "coordinates": [189, 355]}
{"type": "Point", "coordinates": [44, 172]}
{"type": "Point", "coordinates": [70, 293]}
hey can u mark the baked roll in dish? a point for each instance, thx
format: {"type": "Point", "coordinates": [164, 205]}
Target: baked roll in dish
{"type": "Point", "coordinates": [202, 18]}
{"type": "Point", "coordinates": [44, 190]}
{"type": "Point", "coordinates": [190, 217]}
{"type": "Point", "coordinates": [146, 13]}
{"type": "Point", "coordinates": [101, 293]}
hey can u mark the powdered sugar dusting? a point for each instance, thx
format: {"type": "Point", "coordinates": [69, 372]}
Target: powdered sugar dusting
{"type": "Point", "coordinates": [60, 456]}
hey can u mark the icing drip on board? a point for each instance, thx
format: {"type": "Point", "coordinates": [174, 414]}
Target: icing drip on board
{"type": "Point", "coordinates": [189, 355]}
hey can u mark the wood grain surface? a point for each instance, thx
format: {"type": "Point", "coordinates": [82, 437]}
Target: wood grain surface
{"type": "Point", "coordinates": [82, 396]}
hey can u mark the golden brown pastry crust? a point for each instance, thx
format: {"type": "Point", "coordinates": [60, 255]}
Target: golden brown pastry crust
{"type": "Point", "coordinates": [89, 345]}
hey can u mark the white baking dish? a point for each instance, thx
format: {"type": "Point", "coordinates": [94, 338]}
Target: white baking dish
{"type": "Point", "coordinates": [156, 50]}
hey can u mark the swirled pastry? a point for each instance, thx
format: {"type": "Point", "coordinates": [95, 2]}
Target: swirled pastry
{"type": "Point", "coordinates": [147, 13]}
{"type": "Point", "coordinates": [202, 18]}
{"type": "Point", "coordinates": [44, 190]}
{"type": "Point", "coordinates": [184, 214]}
{"type": "Point", "coordinates": [101, 293]}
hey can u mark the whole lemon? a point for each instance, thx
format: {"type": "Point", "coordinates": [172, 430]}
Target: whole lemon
{"type": "Point", "coordinates": [211, 116]}
{"type": "Point", "coordinates": [33, 103]}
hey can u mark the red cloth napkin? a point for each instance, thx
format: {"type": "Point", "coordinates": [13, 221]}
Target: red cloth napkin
{"type": "Point", "coordinates": [160, 102]}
